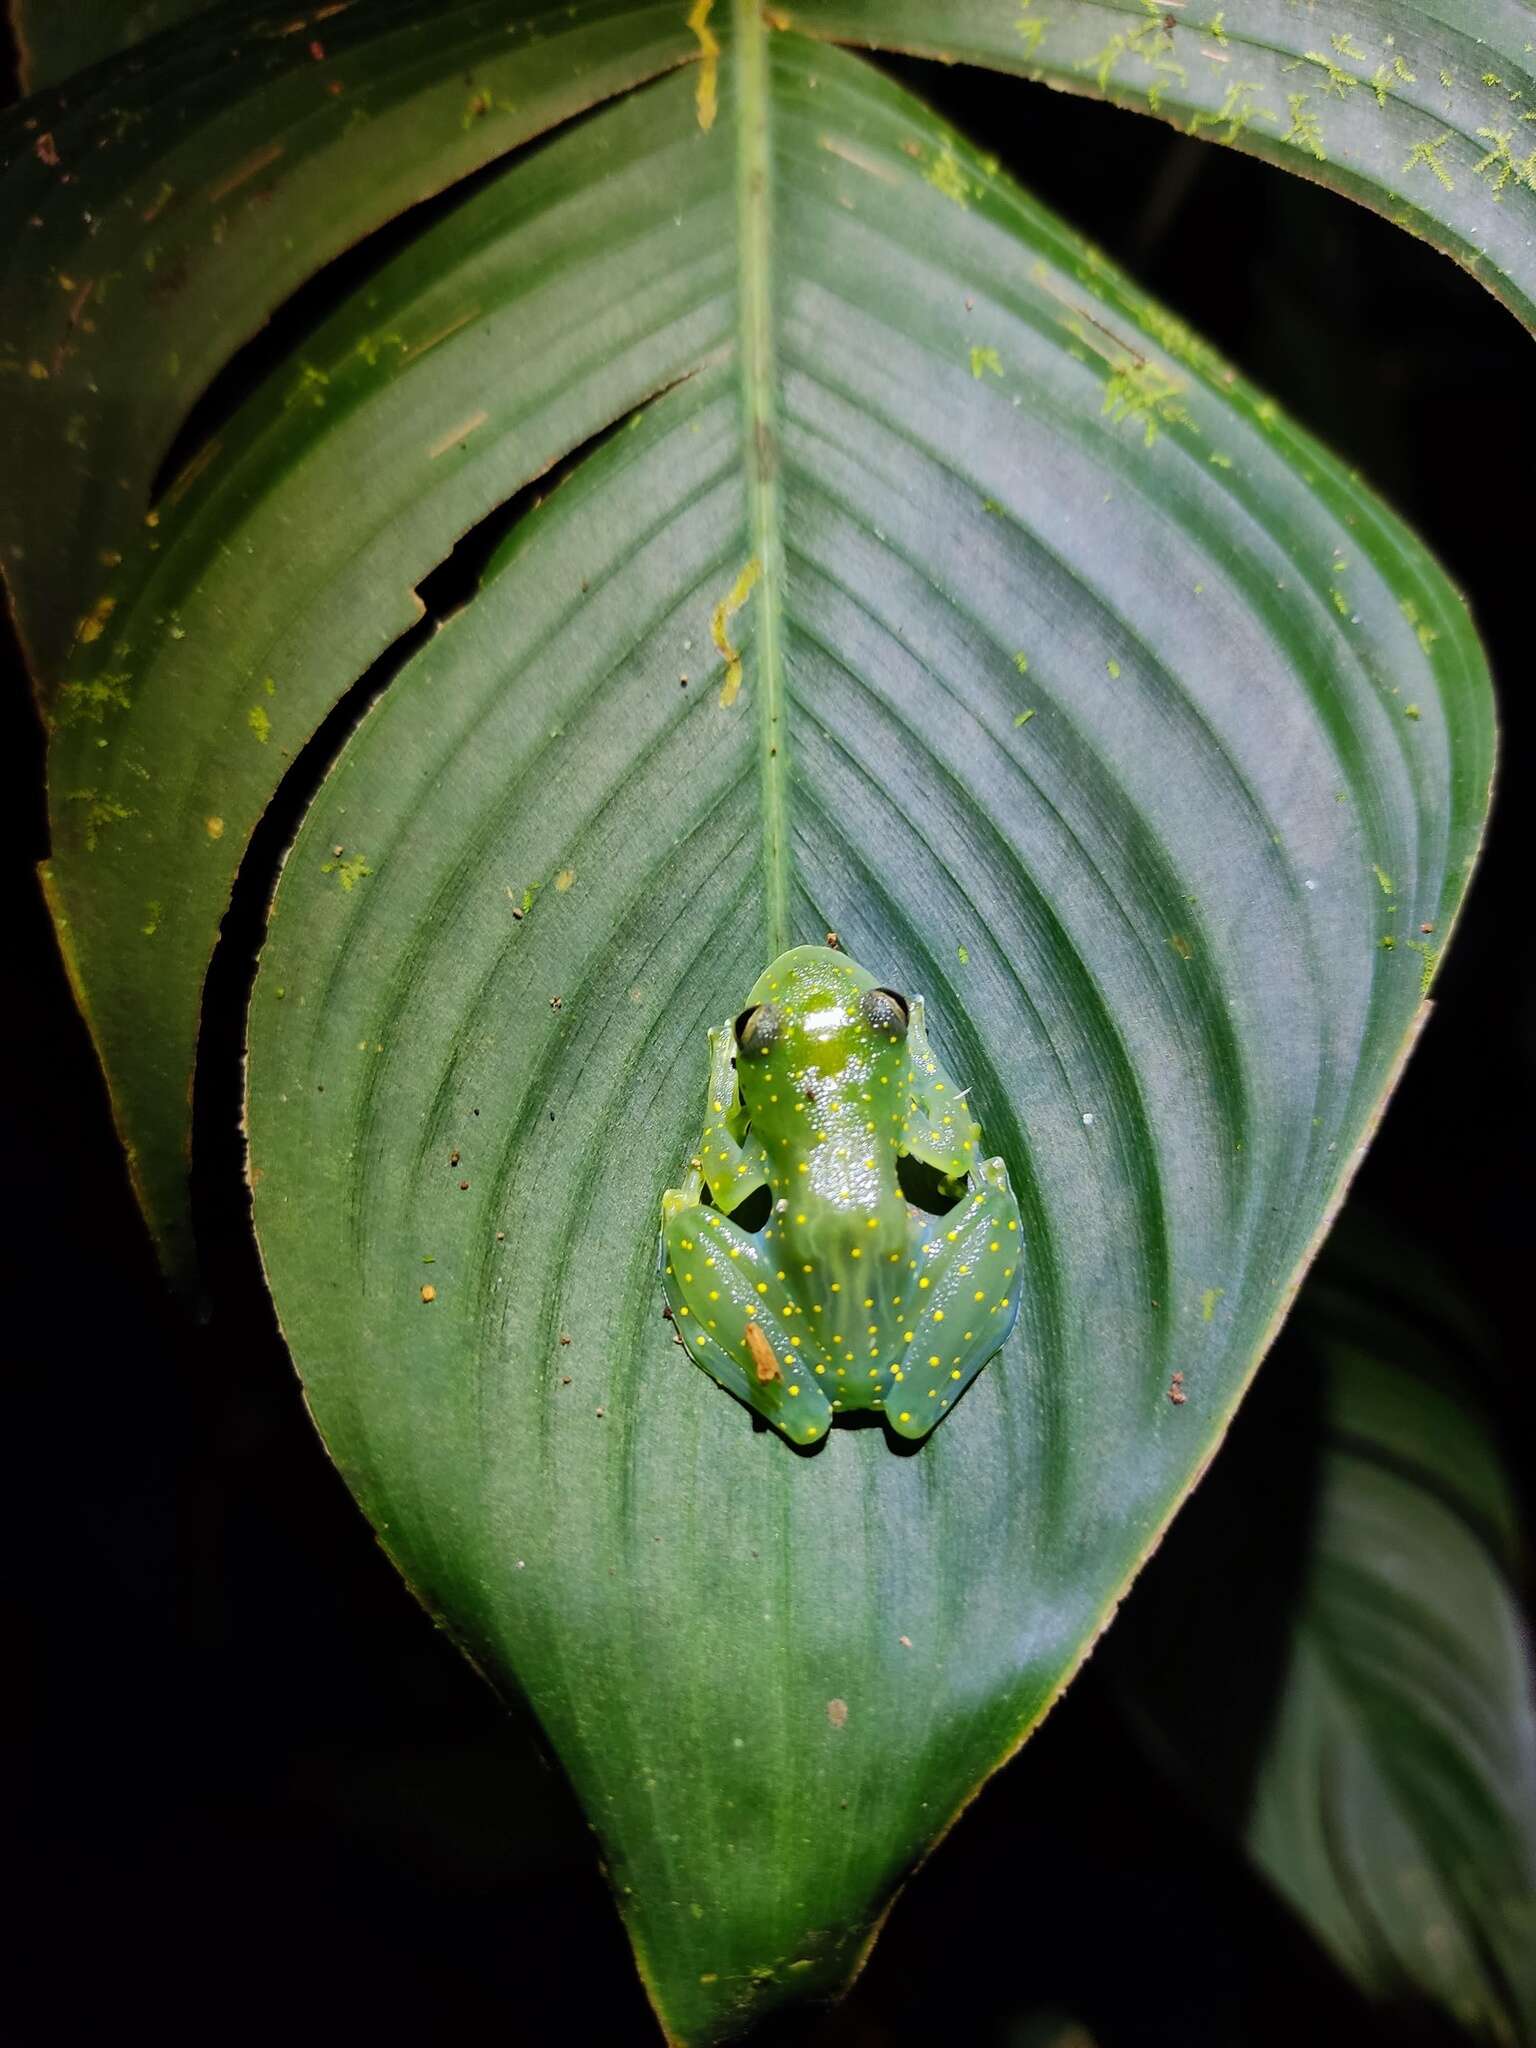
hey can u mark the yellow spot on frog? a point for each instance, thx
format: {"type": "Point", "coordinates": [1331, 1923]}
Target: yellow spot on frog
{"type": "Point", "coordinates": [707, 96]}
{"type": "Point", "coordinates": [726, 609]}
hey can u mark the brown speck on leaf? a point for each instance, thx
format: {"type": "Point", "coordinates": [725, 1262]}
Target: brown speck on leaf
{"type": "Point", "coordinates": [555, 1002]}
{"type": "Point", "coordinates": [317, 51]}
{"type": "Point", "coordinates": [565, 1379]}
{"type": "Point", "coordinates": [837, 1712]}
{"type": "Point", "coordinates": [970, 304]}
{"type": "Point", "coordinates": [764, 1363]}
{"type": "Point", "coordinates": [1426, 928]}
{"type": "Point", "coordinates": [564, 1338]}
{"type": "Point", "coordinates": [601, 1413]}
{"type": "Point", "coordinates": [912, 148]}
{"type": "Point", "coordinates": [453, 1158]}
{"type": "Point", "coordinates": [337, 852]}
{"type": "Point", "coordinates": [833, 941]}
{"type": "Point", "coordinates": [463, 1187]}
{"type": "Point", "coordinates": [501, 1237]}
{"type": "Point", "coordinates": [905, 1642]}
{"type": "Point", "coordinates": [429, 1292]}
{"type": "Point", "coordinates": [44, 149]}
{"type": "Point", "coordinates": [1178, 1379]}
{"type": "Point", "coordinates": [682, 682]}
{"type": "Point", "coordinates": [1177, 1396]}
{"type": "Point", "coordinates": [666, 1313]}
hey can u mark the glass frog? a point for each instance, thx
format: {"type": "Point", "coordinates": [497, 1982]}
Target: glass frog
{"type": "Point", "coordinates": [849, 1297]}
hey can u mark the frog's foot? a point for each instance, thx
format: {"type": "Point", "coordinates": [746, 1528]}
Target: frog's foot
{"type": "Point", "coordinates": [738, 1320]}
{"type": "Point", "coordinates": [968, 1266]}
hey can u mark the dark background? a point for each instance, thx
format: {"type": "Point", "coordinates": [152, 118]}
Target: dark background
{"type": "Point", "coordinates": [255, 1792]}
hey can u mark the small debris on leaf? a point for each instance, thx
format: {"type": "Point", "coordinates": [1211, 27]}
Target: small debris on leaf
{"type": "Point", "coordinates": [429, 1292]}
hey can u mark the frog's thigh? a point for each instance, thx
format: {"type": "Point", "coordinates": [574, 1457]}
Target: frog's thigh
{"type": "Point", "coordinates": [740, 1323]}
{"type": "Point", "coordinates": [969, 1287]}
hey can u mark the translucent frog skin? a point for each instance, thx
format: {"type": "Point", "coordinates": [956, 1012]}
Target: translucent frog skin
{"type": "Point", "coordinates": [848, 1298]}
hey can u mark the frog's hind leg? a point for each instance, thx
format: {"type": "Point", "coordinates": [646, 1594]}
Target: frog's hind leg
{"type": "Point", "coordinates": [941, 1131]}
{"type": "Point", "coordinates": [968, 1284]}
{"type": "Point", "coordinates": [738, 1321]}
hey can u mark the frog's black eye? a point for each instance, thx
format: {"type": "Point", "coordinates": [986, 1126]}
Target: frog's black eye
{"type": "Point", "coordinates": [757, 1029]}
{"type": "Point", "coordinates": [885, 1012]}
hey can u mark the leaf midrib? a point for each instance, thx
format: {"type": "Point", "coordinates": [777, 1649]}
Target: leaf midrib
{"type": "Point", "coordinates": [760, 444]}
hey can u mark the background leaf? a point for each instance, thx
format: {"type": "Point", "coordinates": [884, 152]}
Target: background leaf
{"type": "Point", "coordinates": [57, 38]}
{"type": "Point", "coordinates": [982, 477]}
{"type": "Point", "coordinates": [1349, 1583]}
{"type": "Point", "coordinates": [1426, 116]}
{"type": "Point", "coordinates": [154, 213]}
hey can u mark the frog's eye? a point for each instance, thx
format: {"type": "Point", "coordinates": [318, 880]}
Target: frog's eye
{"type": "Point", "coordinates": [885, 1012]}
{"type": "Point", "coordinates": [757, 1029]}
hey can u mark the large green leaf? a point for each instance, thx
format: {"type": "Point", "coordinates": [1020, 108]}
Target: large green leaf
{"type": "Point", "coordinates": [1383, 1771]}
{"type": "Point", "coordinates": [1424, 113]}
{"type": "Point", "coordinates": [1164, 924]}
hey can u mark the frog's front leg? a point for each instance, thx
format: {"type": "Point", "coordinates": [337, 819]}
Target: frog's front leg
{"type": "Point", "coordinates": [967, 1266]}
{"type": "Point", "coordinates": [729, 1161]}
{"type": "Point", "coordinates": [738, 1319]}
{"type": "Point", "coordinates": [940, 1129]}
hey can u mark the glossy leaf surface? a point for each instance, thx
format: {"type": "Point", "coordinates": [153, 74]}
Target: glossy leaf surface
{"type": "Point", "coordinates": [1426, 114]}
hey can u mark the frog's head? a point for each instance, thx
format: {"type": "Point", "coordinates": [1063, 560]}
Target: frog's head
{"type": "Point", "coordinates": [813, 1017]}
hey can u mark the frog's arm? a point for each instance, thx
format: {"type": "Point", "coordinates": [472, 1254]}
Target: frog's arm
{"type": "Point", "coordinates": [940, 1128]}
{"type": "Point", "coordinates": [969, 1264]}
{"type": "Point", "coordinates": [730, 1161]}
{"type": "Point", "coordinates": [738, 1321]}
